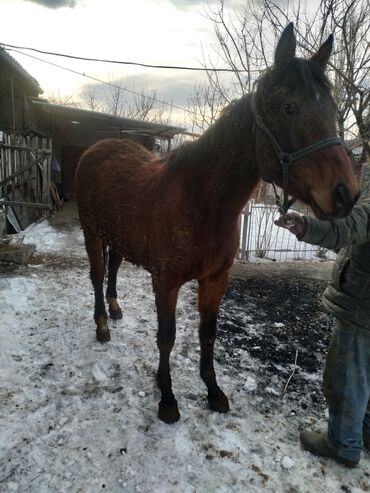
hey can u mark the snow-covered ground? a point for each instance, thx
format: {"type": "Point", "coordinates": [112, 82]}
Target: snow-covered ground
{"type": "Point", "coordinates": [80, 416]}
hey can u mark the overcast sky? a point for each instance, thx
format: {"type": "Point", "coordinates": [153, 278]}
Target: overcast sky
{"type": "Point", "coordinates": [162, 32]}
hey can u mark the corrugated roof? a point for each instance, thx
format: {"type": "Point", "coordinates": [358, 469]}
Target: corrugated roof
{"type": "Point", "coordinates": [15, 66]}
{"type": "Point", "coordinates": [97, 119]}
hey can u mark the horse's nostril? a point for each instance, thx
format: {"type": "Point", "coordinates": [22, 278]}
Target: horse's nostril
{"type": "Point", "coordinates": [342, 197]}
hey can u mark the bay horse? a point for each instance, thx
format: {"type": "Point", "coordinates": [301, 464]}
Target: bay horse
{"type": "Point", "coordinates": [177, 216]}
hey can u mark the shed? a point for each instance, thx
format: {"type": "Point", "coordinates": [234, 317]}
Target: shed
{"type": "Point", "coordinates": [40, 143]}
{"type": "Point", "coordinates": [73, 130]}
{"type": "Point", "coordinates": [16, 87]}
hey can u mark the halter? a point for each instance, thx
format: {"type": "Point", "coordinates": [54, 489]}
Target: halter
{"type": "Point", "coordinates": [285, 158]}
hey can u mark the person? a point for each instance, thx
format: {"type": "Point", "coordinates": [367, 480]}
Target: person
{"type": "Point", "coordinates": [347, 296]}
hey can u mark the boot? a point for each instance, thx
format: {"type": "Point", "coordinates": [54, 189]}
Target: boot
{"type": "Point", "coordinates": [366, 439]}
{"type": "Point", "coordinates": [317, 444]}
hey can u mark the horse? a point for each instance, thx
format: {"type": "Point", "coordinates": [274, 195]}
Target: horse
{"type": "Point", "coordinates": [177, 216]}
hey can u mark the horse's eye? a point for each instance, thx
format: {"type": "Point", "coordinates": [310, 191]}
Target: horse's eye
{"type": "Point", "coordinates": [290, 108]}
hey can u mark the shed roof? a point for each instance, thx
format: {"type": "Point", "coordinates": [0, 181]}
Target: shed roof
{"type": "Point", "coordinates": [14, 66]}
{"type": "Point", "coordinates": [105, 121]}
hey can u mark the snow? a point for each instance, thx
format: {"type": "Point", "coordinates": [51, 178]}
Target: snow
{"type": "Point", "coordinates": [80, 416]}
{"type": "Point", "coordinates": [287, 462]}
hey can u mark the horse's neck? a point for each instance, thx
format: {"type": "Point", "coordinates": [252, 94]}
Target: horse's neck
{"type": "Point", "coordinates": [232, 172]}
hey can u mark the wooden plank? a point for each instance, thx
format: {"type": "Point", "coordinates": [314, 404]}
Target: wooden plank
{"type": "Point", "coordinates": [24, 148]}
{"type": "Point", "coordinates": [55, 196]}
{"type": "Point", "coordinates": [20, 172]}
{"type": "Point", "coordinates": [2, 165]}
{"type": "Point", "coordinates": [13, 219]}
{"type": "Point", "coordinates": [24, 204]}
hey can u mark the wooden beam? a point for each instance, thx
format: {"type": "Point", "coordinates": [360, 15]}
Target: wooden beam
{"type": "Point", "coordinates": [24, 148]}
{"type": "Point", "coordinates": [25, 204]}
{"type": "Point", "coordinates": [23, 170]}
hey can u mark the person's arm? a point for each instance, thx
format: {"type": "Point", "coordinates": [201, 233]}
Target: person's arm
{"type": "Point", "coordinates": [334, 235]}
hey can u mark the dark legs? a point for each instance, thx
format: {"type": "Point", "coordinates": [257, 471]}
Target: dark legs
{"type": "Point", "coordinates": [114, 262]}
{"type": "Point", "coordinates": [94, 248]}
{"type": "Point", "coordinates": [210, 293]}
{"type": "Point", "coordinates": [166, 306]}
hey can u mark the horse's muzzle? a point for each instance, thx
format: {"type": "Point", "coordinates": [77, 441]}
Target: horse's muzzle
{"type": "Point", "coordinates": [343, 200]}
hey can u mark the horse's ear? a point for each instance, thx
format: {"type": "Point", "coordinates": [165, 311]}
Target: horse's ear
{"type": "Point", "coordinates": [285, 49]}
{"type": "Point", "coordinates": [321, 57]}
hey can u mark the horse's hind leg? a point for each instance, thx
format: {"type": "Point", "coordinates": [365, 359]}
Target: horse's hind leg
{"type": "Point", "coordinates": [94, 248]}
{"type": "Point", "coordinates": [114, 262]}
{"type": "Point", "coordinates": [166, 307]}
{"type": "Point", "coordinates": [210, 293]}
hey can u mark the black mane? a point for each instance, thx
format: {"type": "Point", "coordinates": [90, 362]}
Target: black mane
{"type": "Point", "coordinates": [302, 74]}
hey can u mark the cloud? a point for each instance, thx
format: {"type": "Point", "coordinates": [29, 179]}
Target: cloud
{"type": "Point", "coordinates": [186, 4]}
{"type": "Point", "coordinates": [170, 89]}
{"type": "Point", "coordinates": [183, 4]}
{"type": "Point", "coordinates": [55, 4]}
{"type": "Point", "coordinates": [173, 90]}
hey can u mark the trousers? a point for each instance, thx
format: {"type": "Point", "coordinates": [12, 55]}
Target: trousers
{"type": "Point", "coordinates": [347, 390]}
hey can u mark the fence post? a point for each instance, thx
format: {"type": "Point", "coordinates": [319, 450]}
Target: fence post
{"type": "Point", "coordinates": [245, 251]}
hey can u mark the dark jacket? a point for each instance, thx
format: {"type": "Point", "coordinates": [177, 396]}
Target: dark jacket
{"type": "Point", "coordinates": [348, 293]}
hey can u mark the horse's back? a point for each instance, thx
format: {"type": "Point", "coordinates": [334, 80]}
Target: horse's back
{"type": "Point", "coordinates": [107, 158]}
{"type": "Point", "coordinates": [108, 174]}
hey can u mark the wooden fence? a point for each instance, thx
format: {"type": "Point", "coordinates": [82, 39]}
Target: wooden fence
{"type": "Point", "coordinates": [25, 178]}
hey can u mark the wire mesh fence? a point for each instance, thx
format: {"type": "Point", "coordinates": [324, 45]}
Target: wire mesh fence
{"type": "Point", "coordinates": [260, 238]}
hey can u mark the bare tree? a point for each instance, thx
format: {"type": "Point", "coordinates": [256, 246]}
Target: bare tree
{"type": "Point", "coordinates": [352, 23]}
{"type": "Point", "coordinates": [147, 106]}
{"type": "Point", "coordinates": [120, 100]}
{"type": "Point", "coordinates": [90, 97]}
{"type": "Point", "coordinates": [115, 101]}
{"type": "Point", "coordinates": [349, 21]}
{"type": "Point", "coordinates": [63, 99]}
{"type": "Point", "coordinates": [242, 47]}
{"type": "Point", "coordinates": [246, 39]}
{"type": "Point", "coordinates": [204, 106]}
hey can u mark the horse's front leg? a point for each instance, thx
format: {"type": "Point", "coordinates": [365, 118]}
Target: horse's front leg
{"type": "Point", "coordinates": [114, 262]}
{"type": "Point", "coordinates": [210, 293]}
{"type": "Point", "coordinates": [94, 248]}
{"type": "Point", "coordinates": [166, 300]}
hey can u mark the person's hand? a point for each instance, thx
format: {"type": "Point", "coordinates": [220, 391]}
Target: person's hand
{"type": "Point", "coordinates": [292, 221]}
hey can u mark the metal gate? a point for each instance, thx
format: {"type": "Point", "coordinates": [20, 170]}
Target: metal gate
{"type": "Point", "coordinates": [261, 239]}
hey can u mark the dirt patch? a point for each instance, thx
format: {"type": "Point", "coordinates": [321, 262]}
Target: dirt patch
{"type": "Point", "coordinates": [263, 321]}
{"type": "Point", "coordinates": [13, 255]}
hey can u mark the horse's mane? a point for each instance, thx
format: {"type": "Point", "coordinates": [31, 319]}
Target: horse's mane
{"type": "Point", "coordinates": [305, 74]}
{"type": "Point", "coordinates": [206, 149]}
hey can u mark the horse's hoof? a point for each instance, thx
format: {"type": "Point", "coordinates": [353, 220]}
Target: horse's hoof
{"type": "Point", "coordinates": [168, 413]}
{"type": "Point", "coordinates": [115, 314]}
{"type": "Point", "coordinates": [115, 311]}
{"type": "Point", "coordinates": [219, 402]}
{"type": "Point", "coordinates": [102, 329]}
{"type": "Point", "coordinates": [103, 335]}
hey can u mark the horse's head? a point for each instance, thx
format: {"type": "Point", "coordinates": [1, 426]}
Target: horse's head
{"type": "Point", "coordinates": [296, 112]}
